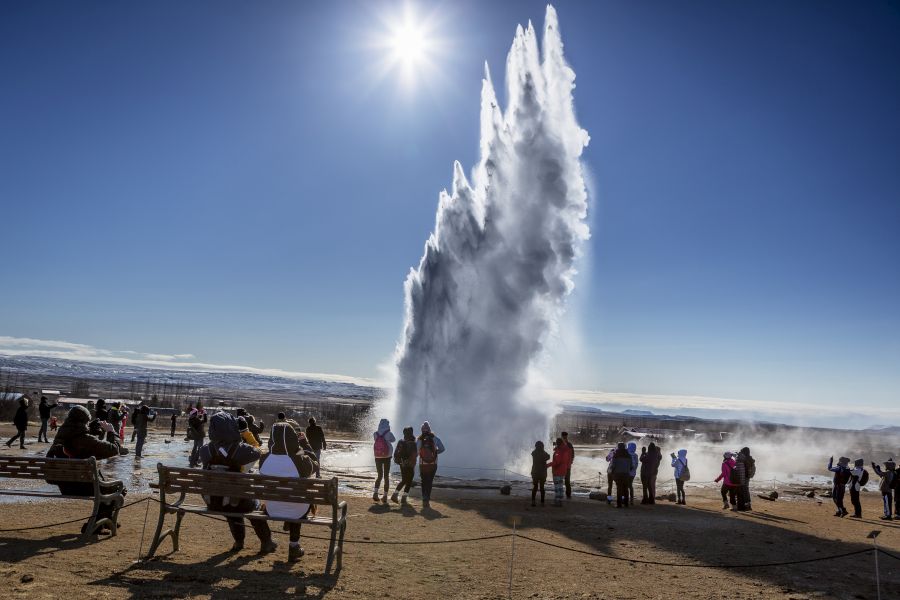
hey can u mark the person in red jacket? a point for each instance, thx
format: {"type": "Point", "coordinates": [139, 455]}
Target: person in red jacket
{"type": "Point", "coordinates": [560, 465]}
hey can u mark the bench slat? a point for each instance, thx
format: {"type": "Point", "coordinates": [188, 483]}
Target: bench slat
{"type": "Point", "coordinates": [55, 469]}
{"type": "Point", "coordinates": [256, 514]}
{"type": "Point", "coordinates": [246, 485]}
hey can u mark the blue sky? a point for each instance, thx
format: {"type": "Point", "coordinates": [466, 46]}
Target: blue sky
{"type": "Point", "coordinates": [240, 182]}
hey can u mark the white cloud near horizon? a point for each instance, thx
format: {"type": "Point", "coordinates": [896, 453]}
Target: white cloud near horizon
{"type": "Point", "coordinates": [15, 346]}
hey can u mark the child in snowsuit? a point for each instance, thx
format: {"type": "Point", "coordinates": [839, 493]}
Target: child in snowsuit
{"type": "Point", "coordinates": [841, 477]}
{"type": "Point", "coordinates": [888, 481]}
{"type": "Point", "coordinates": [859, 477]}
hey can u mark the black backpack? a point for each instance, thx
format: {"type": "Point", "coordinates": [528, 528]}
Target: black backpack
{"type": "Point", "coordinates": [864, 478]}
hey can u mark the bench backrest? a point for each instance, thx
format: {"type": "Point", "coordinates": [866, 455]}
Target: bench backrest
{"type": "Point", "coordinates": [52, 469]}
{"type": "Point", "coordinates": [247, 485]}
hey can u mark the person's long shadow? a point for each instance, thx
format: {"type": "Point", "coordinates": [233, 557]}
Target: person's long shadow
{"type": "Point", "coordinates": [219, 576]}
{"type": "Point", "coordinates": [704, 537]}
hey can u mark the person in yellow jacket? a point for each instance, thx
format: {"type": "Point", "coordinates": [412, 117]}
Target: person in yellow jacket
{"type": "Point", "coordinates": [246, 434]}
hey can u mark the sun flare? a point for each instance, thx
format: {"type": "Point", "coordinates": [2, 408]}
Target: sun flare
{"type": "Point", "coordinates": [409, 46]}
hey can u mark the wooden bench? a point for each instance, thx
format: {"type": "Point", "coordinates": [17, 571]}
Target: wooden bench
{"type": "Point", "coordinates": [184, 481]}
{"type": "Point", "coordinates": [64, 470]}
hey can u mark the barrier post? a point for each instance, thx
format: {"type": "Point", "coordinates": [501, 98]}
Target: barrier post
{"type": "Point", "coordinates": [515, 520]}
{"type": "Point", "coordinates": [874, 535]}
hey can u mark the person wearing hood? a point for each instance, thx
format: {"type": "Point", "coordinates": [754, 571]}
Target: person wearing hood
{"type": "Point", "coordinates": [73, 440]}
{"type": "Point", "coordinates": [744, 498]}
{"type": "Point", "coordinates": [226, 451]}
{"type": "Point", "coordinates": [44, 409]}
{"type": "Point", "coordinates": [632, 472]}
{"type": "Point", "coordinates": [539, 458]}
{"type": "Point", "coordinates": [729, 490]}
{"type": "Point", "coordinates": [196, 432]}
{"type": "Point", "coordinates": [384, 450]}
{"type": "Point", "coordinates": [739, 480]}
{"type": "Point", "coordinates": [841, 477]}
{"type": "Point", "coordinates": [253, 426]}
{"type": "Point", "coordinates": [682, 473]}
{"type": "Point", "coordinates": [650, 458]}
{"type": "Point", "coordinates": [888, 482]}
{"type": "Point", "coordinates": [101, 413]}
{"type": "Point", "coordinates": [288, 458]}
{"type": "Point", "coordinates": [859, 477]}
{"type": "Point", "coordinates": [316, 438]}
{"type": "Point", "coordinates": [429, 446]}
{"type": "Point", "coordinates": [559, 465]}
{"type": "Point", "coordinates": [621, 469]}
{"type": "Point", "coordinates": [20, 420]}
{"type": "Point", "coordinates": [405, 456]}
{"type": "Point", "coordinates": [248, 437]}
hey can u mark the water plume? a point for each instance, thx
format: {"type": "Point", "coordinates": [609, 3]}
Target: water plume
{"type": "Point", "coordinates": [497, 269]}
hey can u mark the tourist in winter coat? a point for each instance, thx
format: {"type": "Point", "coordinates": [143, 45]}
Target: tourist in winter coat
{"type": "Point", "coordinates": [44, 409]}
{"type": "Point", "coordinates": [680, 464]}
{"type": "Point", "coordinates": [142, 417]}
{"type": "Point", "coordinates": [174, 423]}
{"type": "Point", "coordinates": [841, 477]}
{"type": "Point", "coordinates": [632, 472]}
{"type": "Point", "coordinates": [248, 437]}
{"type": "Point", "coordinates": [429, 446]}
{"type": "Point", "coordinates": [539, 458]}
{"type": "Point", "coordinates": [253, 426]}
{"type": "Point", "coordinates": [565, 438]}
{"type": "Point", "coordinates": [73, 440]}
{"type": "Point", "coordinates": [384, 450]}
{"type": "Point", "coordinates": [559, 464]}
{"type": "Point", "coordinates": [20, 420]}
{"type": "Point", "coordinates": [316, 438]}
{"type": "Point", "coordinates": [739, 479]}
{"type": "Point", "coordinates": [621, 469]}
{"type": "Point", "coordinates": [405, 456]}
{"type": "Point", "coordinates": [859, 477]}
{"type": "Point", "coordinates": [729, 490]}
{"type": "Point", "coordinates": [749, 473]}
{"type": "Point", "coordinates": [649, 469]}
{"type": "Point", "coordinates": [226, 451]}
{"type": "Point", "coordinates": [197, 419]}
{"type": "Point", "coordinates": [610, 480]}
{"type": "Point", "coordinates": [887, 485]}
{"type": "Point", "coordinates": [287, 458]}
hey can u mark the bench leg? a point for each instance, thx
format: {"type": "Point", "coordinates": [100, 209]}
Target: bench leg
{"type": "Point", "coordinates": [91, 525]}
{"type": "Point", "coordinates": [334, 532]}
{"type": "Point", "coordinates": [159, 536]}
{"type": "Point", "coordinates": [340, 548]}
{"type": "Point", "coordinates": [117, 506]}
{"type": "Point", "coordinates": [178, 517]}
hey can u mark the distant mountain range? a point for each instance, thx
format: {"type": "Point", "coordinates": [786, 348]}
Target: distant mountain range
{"type": "Point", "coordinates": [76, 369]}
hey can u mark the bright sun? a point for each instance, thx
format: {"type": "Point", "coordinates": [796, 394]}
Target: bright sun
{"type": "Point", "coordinates": [408, 46]}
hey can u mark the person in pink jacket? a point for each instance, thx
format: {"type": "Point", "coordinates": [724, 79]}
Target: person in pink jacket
{"type": "Point", "coordinates": [560, 464]}
{"type": "Point", "coordinates": [729, 490]}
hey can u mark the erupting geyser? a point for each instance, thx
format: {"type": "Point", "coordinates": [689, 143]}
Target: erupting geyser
{"type": "Point", "coordinates": [498, 267]}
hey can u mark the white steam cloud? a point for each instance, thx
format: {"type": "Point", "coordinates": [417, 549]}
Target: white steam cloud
{"type": "Point", "coordinates": [496, 271]}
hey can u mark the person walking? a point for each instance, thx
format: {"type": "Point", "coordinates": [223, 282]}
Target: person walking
{"type": "Point", "coordinates": [749, 473]}
{"type": "Point", "coordinates": [632, 472]}
{"type": "Point", "coordinates": [839, 483]}
{"type": "Point", "coordinates": [559, 465]}
{"type": "Point", "coordinates": [682, 474]}
{"type": "Point", "coordinates": [74, 441]}
{"type": "Point", "coordinates": [196, 432]}
{"type": "Point", "coordinates": [565, 438]}
{"type": "Point", "coordinates": [859, 477]}
{"type": "Point", "coordinates": [44, 409]}
{"type": "Point", "coordinates": [539, 458]}
{"type": "Point", "coordinates": [621, 469]}
{"type": "Point", "coordinates": [729, 490]}
{"type": "Point", "coordinates": [227, 452]}
{"type": "Point", "coordinates": [888, 482]}
{"type": "Point", "coordinates": [286, 458]}
{"type": "Point", "coordinates": [20, 420]}
{"type": "Point", "coordinates": [142, 417]}
{"type": "Point", "coordinates": [405, 456]}
{"type": "Point", "coordinates": [429, 446]}
{"type": "Point", "coordinates": [384, 450]}
{"type": "Point", "coordinates": [316, 438]}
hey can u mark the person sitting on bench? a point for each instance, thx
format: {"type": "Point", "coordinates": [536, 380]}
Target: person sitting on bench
{"type": "Point", "coordinates": [73, 440]}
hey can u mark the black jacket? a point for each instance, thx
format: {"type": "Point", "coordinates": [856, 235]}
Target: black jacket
{"type": "Point", "coordinates": [539, 460]}
{"type": "Point", "coordinates": [44, 409]}
{"type": "Point", "coordinates": [21, 418]}
{"type": "Point", "coordinates": [316, 437]}
{"type": "Point", "coordinates": [621, 462]}
{"type": "Point", "coordinates": [141, 418]}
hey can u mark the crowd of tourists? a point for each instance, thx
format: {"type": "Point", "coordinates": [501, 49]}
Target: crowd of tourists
{"type": "Point", "coordinates": [857, 477]}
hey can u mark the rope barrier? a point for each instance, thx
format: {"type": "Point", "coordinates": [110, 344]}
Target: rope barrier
{"type": "Point", "coordinates": [68, 522]}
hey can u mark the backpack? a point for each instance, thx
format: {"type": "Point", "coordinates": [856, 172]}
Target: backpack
{"type": "Point", "coordinates": [382, 448]}
{"type": "Point", "coordinates": [400, 453]}
{"type": "Point", "coordinates": [751, 467]}
{"type": "Point", "coordinates": [685, 472]}
{"type": "Point", "coordinates": [428, 451]}
{"type": "Point", "coordinates": [864, 478]}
